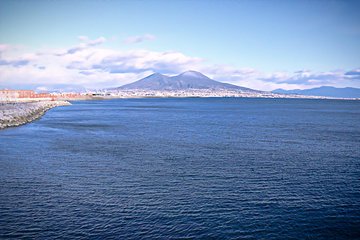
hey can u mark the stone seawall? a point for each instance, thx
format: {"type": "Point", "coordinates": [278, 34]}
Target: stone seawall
{"type": "Point", "coordinates": [15, 114]}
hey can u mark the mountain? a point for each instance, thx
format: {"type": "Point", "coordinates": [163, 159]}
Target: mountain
{"type": "Point", "coordinates": [325, 91]}
{"type": "Point", "coordinates": [184, 81]}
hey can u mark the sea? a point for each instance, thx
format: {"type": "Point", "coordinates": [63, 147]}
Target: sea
{"type": "Point", "coordinates": [184, 168]}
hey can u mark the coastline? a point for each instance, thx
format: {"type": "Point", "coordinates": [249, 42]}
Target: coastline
{"type": "Point", "coordinates": [200, 93]}
{"type": "Point", "coordinates": [13, 114]}
{"type": "Point", "coordinates": [104, 97]}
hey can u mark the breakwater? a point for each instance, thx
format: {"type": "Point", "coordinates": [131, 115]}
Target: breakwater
{"type": "Point", "coordinates": [15, 114]}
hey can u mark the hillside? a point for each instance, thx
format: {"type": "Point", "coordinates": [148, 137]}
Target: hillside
{"type": "Point", "coordinates": [183, 81]}
{"type": "Point", "coordinates": [325, 91]}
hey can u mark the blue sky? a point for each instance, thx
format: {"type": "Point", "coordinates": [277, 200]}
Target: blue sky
{"type": "Point", "coordinates": [259, 44]}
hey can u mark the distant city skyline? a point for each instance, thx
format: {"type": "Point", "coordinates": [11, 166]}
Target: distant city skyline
{"type": "Point", "coordinates": [262, 45]}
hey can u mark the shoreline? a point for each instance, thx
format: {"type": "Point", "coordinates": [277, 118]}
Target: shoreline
{"type": "Point", "coordinates": [180, 97]}
{"type": "Point", "coordinates": [16, 114]}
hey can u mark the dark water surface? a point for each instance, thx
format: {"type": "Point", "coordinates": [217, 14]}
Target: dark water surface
{"type": "Point", "coordinates": [184, 168]}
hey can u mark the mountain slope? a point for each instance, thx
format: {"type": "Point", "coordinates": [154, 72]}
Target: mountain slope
{"type": "Point", "coordinates": [154, 81]}
{"type": "Point", "coordinates": [183, 81]}
{"type": "Point", "coordinates": [325, 91]}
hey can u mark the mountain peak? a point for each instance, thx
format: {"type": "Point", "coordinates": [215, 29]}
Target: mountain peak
{"type": "Point", "coordinates": [156, 74]}
{"type": "Point", "coordinates": [193, 74]}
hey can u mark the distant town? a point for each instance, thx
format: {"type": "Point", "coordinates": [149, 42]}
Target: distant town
{"type": "Point", "coordinates": [7, 95]}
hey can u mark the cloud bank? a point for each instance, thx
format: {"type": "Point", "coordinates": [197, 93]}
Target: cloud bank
{"type": "Point", "coordinates": [91, 65]}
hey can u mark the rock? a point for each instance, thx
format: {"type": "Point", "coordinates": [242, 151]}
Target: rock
{"type": "Point", "coordinates": [15, 114]}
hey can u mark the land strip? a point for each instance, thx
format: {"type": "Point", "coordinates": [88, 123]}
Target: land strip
{"type": "Point", "coordinates": [13, 114]}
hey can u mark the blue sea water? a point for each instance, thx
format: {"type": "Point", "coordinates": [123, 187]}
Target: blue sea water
{"type": "Point", "coordinates": [216, 168]}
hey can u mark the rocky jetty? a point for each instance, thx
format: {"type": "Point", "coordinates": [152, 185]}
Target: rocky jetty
{"type": "Point", "coordinates": [15, 114]}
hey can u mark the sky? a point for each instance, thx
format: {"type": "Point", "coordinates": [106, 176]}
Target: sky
{"type": "Point", "coordinates": [259, 44]}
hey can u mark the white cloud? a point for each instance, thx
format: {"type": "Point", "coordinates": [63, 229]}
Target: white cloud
{"type": "Point", "coordinates": [4, 47]}
{"type": "Point", "coordinates": [85, 44]}
{"type": "Point", "coordinates": [140, 38]}
{"type": "Point", "coordinates": [91, 65]}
